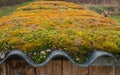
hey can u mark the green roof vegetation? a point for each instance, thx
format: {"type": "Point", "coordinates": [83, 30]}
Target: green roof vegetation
{"type": "Point", "coordinates": [43, 26]}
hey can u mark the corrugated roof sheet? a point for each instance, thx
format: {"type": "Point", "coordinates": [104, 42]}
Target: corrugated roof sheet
{"type": "Point", "coordinates": [98, 58]}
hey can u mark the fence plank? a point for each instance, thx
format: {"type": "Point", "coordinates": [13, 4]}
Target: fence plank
{"type": "Point", "coordinates": [52, 68]}
{"type": "Point", "coordinates": [71, 69]}
{"type": "Point", "coordinates": [100, 70]}
{"type": "Point", "coordinates": [57, 67]}
{"type": "Point", "coordinates": [20, 67]}
{"type": "Point", "coordinates": [45, 70]}
{"type": "Point", "coordinates": [3, 69]}
{"type": "Point", "coordinates": [117, 70]}
{"type": "Point", "coordinates": [7, 69]}
{"type": "Point", "coordinates": [83, 71]}
{"type": "Point", "coordinates": [66, 68]}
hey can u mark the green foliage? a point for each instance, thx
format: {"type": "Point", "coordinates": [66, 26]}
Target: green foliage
{"type": "Point", "coordinates": [7, 10]}
{"type": "Point", "coordinates": [116, 18]}
{"type": "Point", "coordinates": [102, 8]}
{"type": "Point", "coordinates": [11, 2]}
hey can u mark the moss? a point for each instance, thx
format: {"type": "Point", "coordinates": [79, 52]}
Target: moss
{"type": "Point", "coordinates": [58, 25]}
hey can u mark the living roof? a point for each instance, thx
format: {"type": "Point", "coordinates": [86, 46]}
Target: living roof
{"type": "Point", "coordinates": [43, 26]}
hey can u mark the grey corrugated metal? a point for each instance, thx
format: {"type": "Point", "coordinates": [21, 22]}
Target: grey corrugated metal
{"type": "Point", "coordinates": [56, 53]}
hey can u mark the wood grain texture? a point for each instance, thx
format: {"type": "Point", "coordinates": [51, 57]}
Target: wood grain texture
{"type": "Point", "coordinates": [57, 64]}
{"type": "Point", "coordinates": [7, 69]}
{"type": "Point", "coordinates": [100, 70]}
{"type": "Point", "coordinates": [70, 69]}
{"type": "Point", "coordinates": [83, 71]}
{"type": "Point", "coordinates": [66, 68]}
{"type": "Point", "coordinates": [3, 69]}
{"type": "Point", "coordinates": [117, 70]}
{"type": "Point", "coordinates": [52, 68]}
{"type": "Point", "coordinates": [45, 70]}
{"type": "Point", "coordinates": [20, 67]}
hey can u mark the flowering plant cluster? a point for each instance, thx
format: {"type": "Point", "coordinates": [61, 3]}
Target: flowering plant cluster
{"type": "Point", "coordinates": [43, 26]}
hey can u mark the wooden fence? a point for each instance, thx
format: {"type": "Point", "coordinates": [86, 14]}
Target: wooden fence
{"type": "Point", "coordinates": [55, 67]}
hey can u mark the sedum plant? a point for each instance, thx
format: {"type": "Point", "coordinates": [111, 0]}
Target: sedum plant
{"type": "Point", "coordinates": [43, 26]}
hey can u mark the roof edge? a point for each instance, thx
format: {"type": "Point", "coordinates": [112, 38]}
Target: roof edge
{"type": "Point", "coordinates": [95, 56]}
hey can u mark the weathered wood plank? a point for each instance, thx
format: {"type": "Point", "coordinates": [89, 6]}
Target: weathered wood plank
{"type": "Point", "coordinates": [57, 67]}
{"type": "Point", "coordinates": [83, 71]}
{"type": "Point", "coordinates": [71, 69]}
{"type": "Point", "coordinates": [3, 69]}
{"type": "Point", "coordinates": [52, 68]}
{"type": "Point", "coordinates": [45, 69]}
{"type": "Point", "coordinates": [20, 67]}
{"type": "Point", "coordinates": [117, 70]}
{"type": "Point", "coordinates": [49, 69]}
{"type": "Point", "coordinates": [100, 70]}
{"type": "Point", "coordinates": [66, 68]}
{"type": "Point", "coordinates": [30, 71]}
{"type": "Point", "coordinates": [7, 69]}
